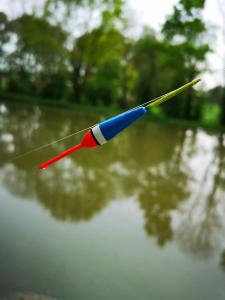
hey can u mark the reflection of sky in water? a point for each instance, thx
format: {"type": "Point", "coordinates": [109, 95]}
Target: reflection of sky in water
{"type": "Point", "coordinates": [171, 183]}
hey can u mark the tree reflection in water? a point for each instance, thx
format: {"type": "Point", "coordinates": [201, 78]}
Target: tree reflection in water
{"type": "Point", "coordinates": [177, 178]}
{"type": "Point", "coordinates": [222, 262]}
{"type": "Point", "coordinates": [202, 218]}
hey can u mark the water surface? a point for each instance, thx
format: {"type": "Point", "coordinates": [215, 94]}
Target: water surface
{"type": "Point", "coordinates": [142, 217]}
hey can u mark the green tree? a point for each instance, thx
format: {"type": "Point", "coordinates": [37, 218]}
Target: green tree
{"type": "Point", "coordinates": [96, 66]}
{"type": "Point", "coordinates": [95, 59]}
{"type": "Point", "coordinates": [158, 65]}
{"type": "Point", "coordinates": [145, 57]}
{"type": "Point", "coordinates": [112, 7]}
{"type": "Point", "coordinates": [38, 63]}
{"type": "Point", "coordinates": [222, 116]}
{"type": "Point", "coordinates": [105, 12]}
{"type": "Point", "coordinates": [4, 37]}
{"type": "Point", "coordinates": [185, 29]}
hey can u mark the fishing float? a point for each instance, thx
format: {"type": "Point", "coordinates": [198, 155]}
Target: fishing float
{"type": "Point", "coordinates": [105, 131]}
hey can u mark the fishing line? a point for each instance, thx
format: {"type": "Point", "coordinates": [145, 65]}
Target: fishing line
{"type": "Point", "coordinates": [49, 144]}
{"type": "Point", "coordinates": [75, 133]}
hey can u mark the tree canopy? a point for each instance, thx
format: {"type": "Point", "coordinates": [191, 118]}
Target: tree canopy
{"type": "Point", "coordinates": [41, 56]}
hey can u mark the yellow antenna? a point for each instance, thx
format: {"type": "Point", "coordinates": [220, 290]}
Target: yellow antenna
{"type": "Point", "coordinates": [173, 93]}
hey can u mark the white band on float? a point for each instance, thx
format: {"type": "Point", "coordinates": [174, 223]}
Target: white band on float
{"type": "Point", "coordinates": [98, 135]}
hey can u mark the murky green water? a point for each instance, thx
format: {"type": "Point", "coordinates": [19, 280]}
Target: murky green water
{"type": "Point", "coordinates": [142, 217]}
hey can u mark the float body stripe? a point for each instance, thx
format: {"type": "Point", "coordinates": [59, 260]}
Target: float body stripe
{"type": "Point", "coordinates": [110, 128]}
{"type": "Point", "coordinates": [93, 136]}
{"type": "Point", "coordinates": [98, 136]}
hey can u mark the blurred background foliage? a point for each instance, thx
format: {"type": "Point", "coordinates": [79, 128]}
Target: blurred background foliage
{"type": "Point", "coordinates": [102, 65]}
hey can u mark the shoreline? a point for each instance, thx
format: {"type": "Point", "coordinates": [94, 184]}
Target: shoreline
{"type": "Point", "coordinates": [108, 112]}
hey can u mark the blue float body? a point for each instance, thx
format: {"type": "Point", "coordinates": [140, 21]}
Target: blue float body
{"type": "Point", "coordinates": [115, 125]}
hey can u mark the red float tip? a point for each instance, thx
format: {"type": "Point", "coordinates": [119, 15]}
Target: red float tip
{"type": "Point", "coordinates": [60, 156]}
{"type": "Point", "coordinates": [88, 142]}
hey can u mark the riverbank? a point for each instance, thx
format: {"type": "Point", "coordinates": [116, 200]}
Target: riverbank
{"type": "Point", "coordinates": [107, 111]}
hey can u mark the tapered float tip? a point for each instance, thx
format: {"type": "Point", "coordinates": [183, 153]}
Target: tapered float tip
{"type": "Point", "coordinates": [60, 156]}
{"type": "Point", "coordinates": [196, 80]}
{"type": "Point", "coordinates": [42, 168]}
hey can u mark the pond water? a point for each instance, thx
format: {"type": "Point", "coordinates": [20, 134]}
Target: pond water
{"type": "Point", "coordinates": [142, 217]}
